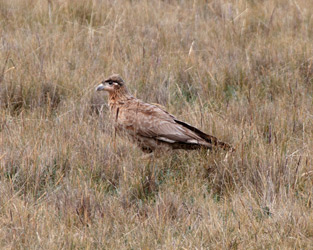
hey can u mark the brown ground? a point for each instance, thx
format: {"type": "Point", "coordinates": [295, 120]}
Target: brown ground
{"type": "Point", "coordinates": [240, 70]}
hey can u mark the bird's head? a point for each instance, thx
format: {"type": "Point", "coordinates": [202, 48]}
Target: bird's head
{"type": "Point", "coordinates": [111, 84]}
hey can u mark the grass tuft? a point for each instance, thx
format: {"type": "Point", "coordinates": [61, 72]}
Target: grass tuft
{"type": "Point", "coordinates": [240, 70]}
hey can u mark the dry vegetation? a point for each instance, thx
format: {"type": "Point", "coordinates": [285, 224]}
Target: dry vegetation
{"type": "Point", "coordinates": [241, 70]}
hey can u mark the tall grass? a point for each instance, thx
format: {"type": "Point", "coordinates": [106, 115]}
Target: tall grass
{"type": "Point", "coordinates": [240, 70]}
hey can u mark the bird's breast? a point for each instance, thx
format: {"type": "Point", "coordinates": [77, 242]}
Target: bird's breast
{"type": "Point", "coordinates": [122, 120]}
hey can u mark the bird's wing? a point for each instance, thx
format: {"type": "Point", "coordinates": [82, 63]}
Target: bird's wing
{"type": "Point", "coordinates": [151, 121]}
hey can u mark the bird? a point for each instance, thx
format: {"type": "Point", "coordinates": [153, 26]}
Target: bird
{"type": "Point", "coordinates": [150, 126]}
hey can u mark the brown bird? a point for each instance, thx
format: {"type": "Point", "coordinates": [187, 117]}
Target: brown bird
{"type": "Point", "coordinates": [150, 126]}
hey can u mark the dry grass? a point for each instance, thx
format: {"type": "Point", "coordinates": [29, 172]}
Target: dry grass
{"type": "Point", "coordinates": [241, 70]}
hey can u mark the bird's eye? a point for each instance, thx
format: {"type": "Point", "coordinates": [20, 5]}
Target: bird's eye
{"type": "Point", "coordinates": [110, 82]}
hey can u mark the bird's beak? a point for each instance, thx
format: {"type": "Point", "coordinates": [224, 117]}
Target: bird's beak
{"type": "Point", "coordinates": [100, 87]}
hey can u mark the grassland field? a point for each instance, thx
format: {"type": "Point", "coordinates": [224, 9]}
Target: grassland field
{"type": "Point", "coordinates": [240, 70]}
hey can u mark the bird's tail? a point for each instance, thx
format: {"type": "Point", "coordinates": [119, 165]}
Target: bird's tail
{"type": "Point", "coordinates": [216, 142]}
{"type": "Point", "coordinates": [208, 138]}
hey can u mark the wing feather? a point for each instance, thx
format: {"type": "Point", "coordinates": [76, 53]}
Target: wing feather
{"type": "Point", "coordinates": [151, 121]}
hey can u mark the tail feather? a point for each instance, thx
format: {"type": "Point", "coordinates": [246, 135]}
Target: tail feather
{"type": "Point", "coordinates": [208, 138]}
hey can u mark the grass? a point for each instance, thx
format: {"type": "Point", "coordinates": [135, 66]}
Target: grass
{"type": "Point", "coordinates": [240, 70]}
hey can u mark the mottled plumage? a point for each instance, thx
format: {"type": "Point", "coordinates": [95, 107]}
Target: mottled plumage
{"type": "Point", "coordinates": [150, 126]}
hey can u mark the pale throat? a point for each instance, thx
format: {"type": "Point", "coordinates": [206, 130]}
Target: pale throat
{"type": "Point", "coordinates": [119, 96]}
